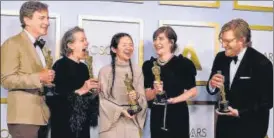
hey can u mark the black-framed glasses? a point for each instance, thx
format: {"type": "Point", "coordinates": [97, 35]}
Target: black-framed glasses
{"type": "Point", "coordinates": [223, 41]}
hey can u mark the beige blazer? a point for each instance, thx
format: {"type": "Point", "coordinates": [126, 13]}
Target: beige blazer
{"type": "Point", "coordinates": [20, 67]}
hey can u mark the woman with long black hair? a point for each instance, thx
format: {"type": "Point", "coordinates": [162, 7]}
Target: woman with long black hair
{"type": "Point", "coordinates": [115, 120]}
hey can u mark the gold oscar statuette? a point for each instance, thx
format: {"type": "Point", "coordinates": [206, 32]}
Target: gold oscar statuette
{"type": "Point", "coordinates": [223, 103]}
{"type": "Point", "coordinates": [49, 63]}
{"type": "Point", "coordinates": [49, 60]}
{"type": "Point", "coordinates": [49, 88]}
{"type": "Point", "coordinates": [156, 70]}
{"type": "Point", "coordinates": [161, 97]}
{"type": "Point", "coordinates": [134, 105]}
{"type": "Point", "coordinates": [88, 61]}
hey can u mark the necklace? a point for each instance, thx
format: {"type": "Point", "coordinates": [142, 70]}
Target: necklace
{"type": "Point", "coordinates": [163, 62]}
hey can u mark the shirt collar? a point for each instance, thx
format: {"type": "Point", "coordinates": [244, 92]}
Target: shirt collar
{"type": "Point", "coordinates": [241, 54]}
{"type": "Point", "coordinates": [32, 39]}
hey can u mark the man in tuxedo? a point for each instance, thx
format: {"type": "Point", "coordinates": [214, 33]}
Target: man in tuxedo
{"type": "Point", "coordinates": [23, 73]}
{"type": "Point", "coordinates": [247, 76]}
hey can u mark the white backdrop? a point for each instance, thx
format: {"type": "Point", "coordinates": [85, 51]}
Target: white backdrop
{"type": "Point", "coordinates": [197, 34]}
{"type": "Point", "coordinates": [264, 43]}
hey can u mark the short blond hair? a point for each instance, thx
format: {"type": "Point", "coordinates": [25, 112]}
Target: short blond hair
{"type": "Point", "coordinates": [240, 28]}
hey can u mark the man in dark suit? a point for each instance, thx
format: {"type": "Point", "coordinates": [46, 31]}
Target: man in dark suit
{"type": "Point", "coordinates": [247, 77]}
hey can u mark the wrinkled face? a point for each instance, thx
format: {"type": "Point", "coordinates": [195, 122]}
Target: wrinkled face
{"type": "Point", "coordinates": [79, 45]}
{"type": "Point", "coordinates": [38, 24]}
{"type": "Point", "coordinates": [124, 49]}
{"type": "Point", "coordinates": [162, 44]}
{"type": "Point", "coordinates": [231, 44]}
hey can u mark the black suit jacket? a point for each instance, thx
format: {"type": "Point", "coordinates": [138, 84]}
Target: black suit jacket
{"type": "Point", "coordinates": [251, 93]}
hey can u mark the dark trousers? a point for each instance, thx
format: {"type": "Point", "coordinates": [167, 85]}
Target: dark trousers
{"type": "Point", "coordinates": [43, 131]}
{"type": "Point", "coordinates": [27, 131]}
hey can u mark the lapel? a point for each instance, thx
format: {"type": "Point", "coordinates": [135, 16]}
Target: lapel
{"type": "Point", "coordinates": [242, 67]}
{"type": "Point", "coordinates": [226, 73]}
{"type": "Point", "coordinates": [31, 49]}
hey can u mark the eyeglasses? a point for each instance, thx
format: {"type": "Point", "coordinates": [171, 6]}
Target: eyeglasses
{"type": "Point", "coordinates": [222, 41]}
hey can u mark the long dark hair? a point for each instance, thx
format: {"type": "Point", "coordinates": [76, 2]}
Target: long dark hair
{"type": "Point", "coordinates": [114, 44]}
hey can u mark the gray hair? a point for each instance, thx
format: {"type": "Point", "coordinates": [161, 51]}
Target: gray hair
{"type": "Point", "coordinates": [28, 8]}
{"type": "Point", "coordinates": [68, 38]}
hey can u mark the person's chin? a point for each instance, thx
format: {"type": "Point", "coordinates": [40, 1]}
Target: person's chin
{"type": "Point", "coordinates": [44, 33]}
{"type": "Point", "coordinates": [228, 54]}
{"type": "Point", "coordinates": [82, 58]}
{"type": "Point", "coordinates": [127, 58]}
{"type": "Point", "coordinates": [159, 52]}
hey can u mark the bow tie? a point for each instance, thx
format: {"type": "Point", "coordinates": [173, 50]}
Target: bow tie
{"type": "Point", "coordinates": [39, 43]}
{"type": "Point", "coordinates": [235, 59]}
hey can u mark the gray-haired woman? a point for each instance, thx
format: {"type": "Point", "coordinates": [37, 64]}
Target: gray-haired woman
{"type": "Point", "coordinates": [73, 110]}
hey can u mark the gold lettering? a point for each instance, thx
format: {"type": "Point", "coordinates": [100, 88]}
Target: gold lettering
{"type": "Point", "coordinates": [107, 50]}
{"type": "Point", "coordinates": [269, 56]}
{"type": "Point", "coordinates": [101, 50]}
{"type": "Point", "coordinates": [93, 50]}
{"type": "Point", "coordinates": [193, 56]}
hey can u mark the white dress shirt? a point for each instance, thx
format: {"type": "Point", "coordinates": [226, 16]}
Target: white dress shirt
{"type": "Point", "coordinates": [234, 67]}
{"type": "Point", "coordinates": [38, 49]}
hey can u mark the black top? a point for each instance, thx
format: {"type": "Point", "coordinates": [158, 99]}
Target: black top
{"type": "Point", "coordinates": [70, 76]}
{"type": "Point", "coordinates": [78, 112]}
{"type": "Point", "coordinates": [177, 75]}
